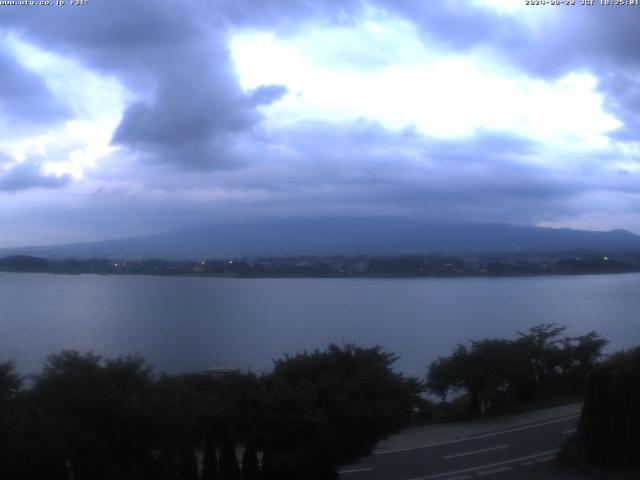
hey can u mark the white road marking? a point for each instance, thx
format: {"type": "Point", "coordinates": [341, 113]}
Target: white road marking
{"type": "Point", "coordinates": [569, 432]}
{"type": "Point", "coordinates": [494, 470]}
{"type": "Point", "coordinates": [491, 465]}
{"type": "Point", "coordinates": [466, 439]}
{"type": "Point", "coordinates": [355, 470]}
{"type": "Point", "coordinates": [490, 449]}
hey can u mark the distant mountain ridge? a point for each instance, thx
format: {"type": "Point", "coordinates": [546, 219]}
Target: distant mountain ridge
{"type": "Point", "coordinates": [341, 236]}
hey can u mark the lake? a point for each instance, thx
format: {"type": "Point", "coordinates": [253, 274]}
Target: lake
{"type": "Point", "coordinates": [188, 323]}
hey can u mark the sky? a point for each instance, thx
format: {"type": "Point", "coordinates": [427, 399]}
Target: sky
{"type": "Point", "coordinates": [129, 117]}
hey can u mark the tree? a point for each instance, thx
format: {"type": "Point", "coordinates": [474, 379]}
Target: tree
{"type": "Point", "coordinates": [230, 411]}
{"type": "Point", "coordinates": [209, 461]}
{"type": "Point", "coordinates": [330, 408]}
{"type": "Point", "coordinates": [10, 383]}
{"type": "Point", "coordinates": [541, 344]}
{"type": "Point", "coordinates": [250, 465]}
{"type": "Point", "coordinates": [557, 364]}
{"type": "Point", "coordinates": [580, 355]}
{"type": "Point", "coordinates": [96, 419]}
{"type": "Point", "coordinates": [90, 414]}
{"type": "Point", "coordinates": [484, 371]}
{"type": "Point", "coordinates": [172, 410]}
{"type": "Point", "coordinates": [497, 372]}
{"type": "Point", "coordinates": [24, 263]}
{"type": "Point", "coordinates": [608, 434]}
{"type": "Point", "coordinates": [229, 468]}
{"type": "Point", "coordinates": [448, 374]}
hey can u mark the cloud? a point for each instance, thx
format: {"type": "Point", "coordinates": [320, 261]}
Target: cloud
{"type": "Point", "coordinates": [454, 24]}
{"type": "Point", "coordinates": [596, 34]}
{"type": "Point", "coordinates": [5, 159]}
{"type": "Point", "coordinates": [193, 145]}
{"type": "Point", "coordinates": [289, 15]}
{"type": "Point", "coordinates": [317, 168]}
{"type": "Point", "coordinates": [191, 112]}
{"type": "Point", "coordinates": [28, 175]}
{"type": "Point", "coordinates": [189, 108]}
{"type": "Point", "coordinates": [267, 94]}
{"type": "Point", "coordinates": [544, 43]}
{"type": "Point", "coordinates": [24, 96]}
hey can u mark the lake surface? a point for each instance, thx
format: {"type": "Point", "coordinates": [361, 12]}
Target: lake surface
{"type": "Point", "coordinates": [186, 323]}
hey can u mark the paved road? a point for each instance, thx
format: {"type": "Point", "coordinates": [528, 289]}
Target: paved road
{"type": "Point", "coordinates": [522, 451]}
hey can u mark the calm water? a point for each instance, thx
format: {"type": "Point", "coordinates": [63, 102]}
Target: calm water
{"type": "Point", "coordinates": [182, 324]}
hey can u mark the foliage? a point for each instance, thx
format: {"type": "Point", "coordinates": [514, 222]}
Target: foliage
{"type": "Point", "coordinates": [250, 464]}
{"type": "Point", "coordinates": [91, 414]}
{"type": "Point", "coordinates": [96, 419]}
{"type": "Point", "coordinates": [499, 372]}
{"type": "Point", "coordinates": [330, 408]}
{"type": "Point", "coordinates": [10, 382]}
{"type": "Point", "coordinates": [24, 263]}
{"type": "Point", "coordinates": [609, 429]}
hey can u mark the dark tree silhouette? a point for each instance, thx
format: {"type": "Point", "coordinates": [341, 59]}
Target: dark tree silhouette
{"type": "Point", "coordinates": [580, 355]}
{"type": "Point", "coordinates": [172, 410]}
{"type": "Point", "coordinates": [10, 383]}
{"type": "Point", "coordinates": [231, 410]}
{"type": "Point", "coordinates": [498, 372]}
{"type": "Point", "coordinates": [229, 468]}
{"type": "Point", "coordinates": [210, 461]}
{"type": "Point", "coordinates": [609, 430]}
{"type": "Point", "coordinates": [91, 418]}
{"type": "Point", "coordinates": [250, 465]}
{"type": "Point", "coordinates": [484, 371]}
{"type": "Point", "coordinates": [331, 408]}
{"type": "Point", "coordinates": [90, 415]}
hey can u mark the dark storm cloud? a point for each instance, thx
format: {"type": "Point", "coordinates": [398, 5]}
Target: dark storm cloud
{"type": "Point", "coordinates": [323, 172]}
{"type": "Point", "coordinates": [174, 56]}
{"type": "Point", "coordinates": [191, 121]}
{"type": "Point", "coordinates": [114, 34]}
{"type": "Point", "coordinates": [361, 167]}
{"type": "Point", "coordinates": [622, 98]}
{"type": "Point", "coordinates": [24, 96]}
{"type": "Point", "coordinates": [456, 24]}
{"type": "Point", "coordinates": [27, 175]}
{"type": "Point", "coordinates": [194, 114]}
{"type": "Point", "coordinates": [566, 38]}
{"type": "Point", "coordinates": [288, 15]}
{"type": "Point", "coordinates": [485, 146]}
{"type": "Point", "coordinates": [266, 94]}
{"type": "Point", "coordinates": [602, 40]}
{"type": "Point", "coordinates": [192, 109]}
{"type": "Point", "coordinates": [599, 39]}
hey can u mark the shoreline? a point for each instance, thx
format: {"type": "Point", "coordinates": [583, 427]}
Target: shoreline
{"type": "Point", "coordinates": [323, 276]}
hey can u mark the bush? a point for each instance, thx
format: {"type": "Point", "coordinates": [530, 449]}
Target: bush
{"type": "Point", "coordinates": [331, 408]}
{"type": "Point", "coordinates": [100, 419]}
{"type": "Point", "coordinates": [496, 373]}
{"type": "Point", "coordinates": [609, 430]}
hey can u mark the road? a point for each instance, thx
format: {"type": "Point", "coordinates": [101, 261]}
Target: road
{"type": "Point", "coordinates": [522, 451]}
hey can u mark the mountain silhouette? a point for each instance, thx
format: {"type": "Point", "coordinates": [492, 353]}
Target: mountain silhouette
{"type": "Point", "coordinates": [339, 236]}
